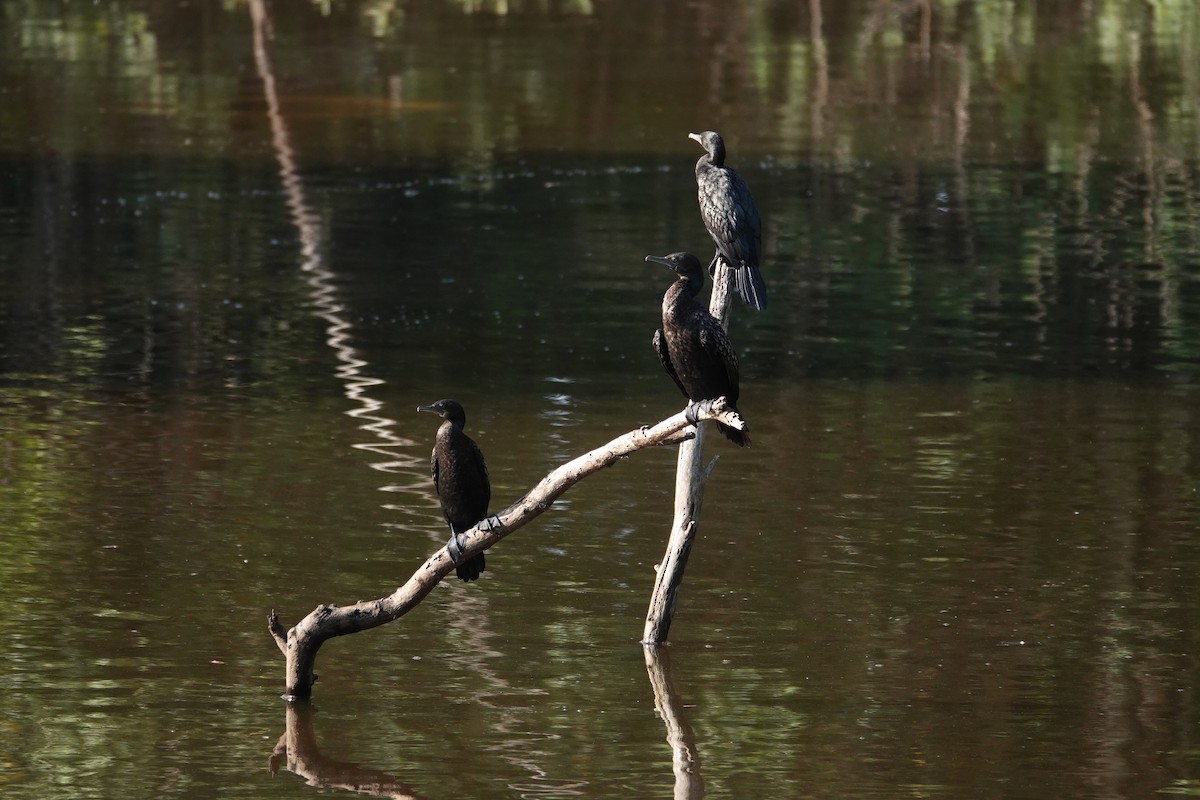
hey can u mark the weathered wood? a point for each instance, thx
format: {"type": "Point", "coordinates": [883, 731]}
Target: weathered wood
{"type": "Point", "coordinates": [690, 477]}
{"type": "Point", "coordinates": [301, 643]}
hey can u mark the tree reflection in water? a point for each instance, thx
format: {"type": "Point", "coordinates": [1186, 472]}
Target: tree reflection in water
{"type": "Point", "coordinates": [297, 751]}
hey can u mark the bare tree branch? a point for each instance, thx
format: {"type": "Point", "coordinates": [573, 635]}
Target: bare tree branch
{"type": "Point", "coordinates": [690, 477]}
{"type": "Point", "coordinates": [301, 643]}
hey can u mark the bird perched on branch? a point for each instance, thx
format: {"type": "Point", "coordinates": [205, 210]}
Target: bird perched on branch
{"type": "Point", "coordinates": [692, 345]}
{"type": "Point", "coordinates": [460, 477]}
{"type": "Point", "coordinates": [729, 213]}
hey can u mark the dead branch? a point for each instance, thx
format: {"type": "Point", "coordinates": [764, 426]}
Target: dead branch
{"type": "Point", "coordinates": [690, 477]}
{"type": "Point", "coordinates": [301, 643]}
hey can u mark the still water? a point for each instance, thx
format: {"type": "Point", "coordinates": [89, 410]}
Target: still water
{"type": "Point", "coordinates": [239, 244]}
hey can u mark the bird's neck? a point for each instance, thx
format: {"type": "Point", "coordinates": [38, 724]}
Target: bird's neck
{"type": "Point", "coordinates": [709, 160]}
{"type": "Point", "coordinates": [449, 430]}
{"type": "Point", "coordinates": [679, 297]}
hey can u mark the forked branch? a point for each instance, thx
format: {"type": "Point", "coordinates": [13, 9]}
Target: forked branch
{"type": "Point", "coordinates": [301, 643]}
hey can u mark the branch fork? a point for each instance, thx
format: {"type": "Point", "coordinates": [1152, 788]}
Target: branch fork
{"type": "Point", "coordinates": [300, 643]}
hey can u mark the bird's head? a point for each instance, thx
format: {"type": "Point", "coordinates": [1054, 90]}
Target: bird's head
{"type": "Point", "coordinates": [713, 143]}
{"type": "Point", "coordinates": [450, 410]}
{"type": "Point", "coordinates": [685, 265]}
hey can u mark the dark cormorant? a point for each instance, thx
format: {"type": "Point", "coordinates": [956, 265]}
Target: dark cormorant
{"type": "Point", "coordinates": [461, 479]}
{"type": "Point", "coordinates": [729, 213]}
{"type": "Point", "coordinates": [692, 345]}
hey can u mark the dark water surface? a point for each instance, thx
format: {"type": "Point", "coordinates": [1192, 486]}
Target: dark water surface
{"type": "Point", "coordinates": [960, 560]}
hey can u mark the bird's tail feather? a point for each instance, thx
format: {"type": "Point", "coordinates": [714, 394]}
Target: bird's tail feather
{"type": "Point", "coordinates": [740, 438]}
{"type": "Point", "coordinates": [751, 287]}
{"type": "Point", "coordinates": [471, 569]}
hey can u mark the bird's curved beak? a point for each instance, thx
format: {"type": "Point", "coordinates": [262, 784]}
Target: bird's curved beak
{"type": "Point", "coordinates": [661, 260]}
{"type": "Point", "coordinates": [695, 137]}
{"type": "Point", "coordinates": [427, 408]}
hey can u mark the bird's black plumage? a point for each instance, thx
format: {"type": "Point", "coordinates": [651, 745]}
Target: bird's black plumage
{"type": "Point", "coordinates": [731, 216]}
{"type": "Point", "coordinates": [692, 345]}
{"type": "Point", "coordinates": [460, 477]}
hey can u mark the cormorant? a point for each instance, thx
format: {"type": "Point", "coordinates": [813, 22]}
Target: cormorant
{"type": "Point", "coordinates": [461, 479]}
{"type": "Point", "coordinates": [692, 345]}
{"type": "Point", "coordinates": [729, 213]}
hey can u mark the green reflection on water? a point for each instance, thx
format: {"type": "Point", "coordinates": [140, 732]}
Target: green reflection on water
{"type": "Point", "coordinates": [962, 559]}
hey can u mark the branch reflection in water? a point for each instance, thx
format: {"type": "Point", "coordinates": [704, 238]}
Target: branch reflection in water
{"type": "Point", "coordinates": [685, 759]}
{"type": "Point", "coordinates": [297, 752]}
{"type": "Point", "coordinates": [297, 748]}
{"type": "Point", "coordinates": [320, 277]}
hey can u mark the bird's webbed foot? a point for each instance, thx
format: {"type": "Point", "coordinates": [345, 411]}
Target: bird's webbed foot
{"type": "Point", "coordinates": [694, 409]}
{"type": "Point", "coordinates": [455, 547]}
{"type": "Point", "coordinates": [490, 523]}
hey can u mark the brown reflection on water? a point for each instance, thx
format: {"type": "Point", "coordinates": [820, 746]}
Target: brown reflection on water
{"type": "Point", "coordinates": [298, 752]}
{"type": "Point", "coordinates": [685, 758]}
{"type": "Point", "coordinates": [1003, 557]}
{"type": "Point", "coordinates": [960, 559]}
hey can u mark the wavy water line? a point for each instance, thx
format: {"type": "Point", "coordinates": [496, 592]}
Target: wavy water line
{"type": "Point", "coordinates": [321, 279]}
{"type": "Point", "coordinates": [471, 610]}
